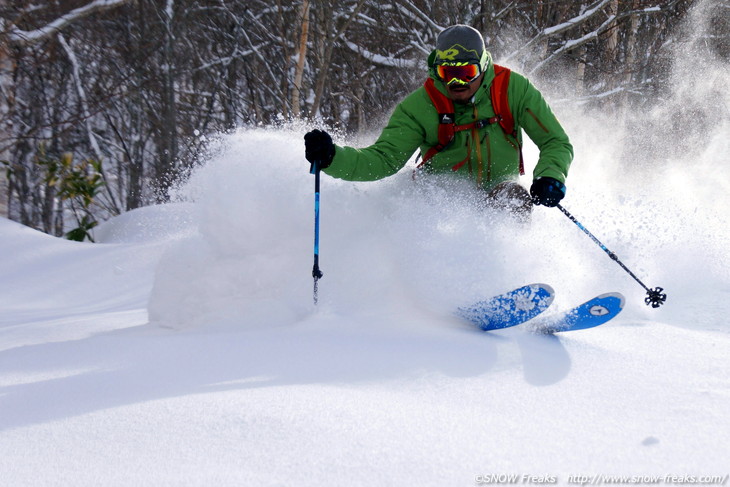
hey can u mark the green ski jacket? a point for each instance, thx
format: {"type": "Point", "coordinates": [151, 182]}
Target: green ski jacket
{"type": "Point", "coordinates": [491, 155]}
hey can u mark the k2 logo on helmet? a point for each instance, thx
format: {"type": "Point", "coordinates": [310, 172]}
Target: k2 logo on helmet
{"type": "Point", "coordinates": [456, 50]}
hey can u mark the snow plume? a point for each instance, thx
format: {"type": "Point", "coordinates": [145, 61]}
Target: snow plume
{"type": "Point", "coordinates": [653, 183]}
{"type": "Point", "coordinates": [692, 174]}
{"type": "Point", "coordinates": [248, 260]}
{"type": "Point", "coordinates": [387, 247]}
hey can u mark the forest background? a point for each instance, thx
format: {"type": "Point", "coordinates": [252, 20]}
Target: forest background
{"type": "Point", "coordinates": [107, 105]}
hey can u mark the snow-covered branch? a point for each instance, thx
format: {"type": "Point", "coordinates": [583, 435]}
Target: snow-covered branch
{"type": "Point", "coordinates": [562, 27]}
{"type": "Point", "coordinates": [22, 37]}
{"type": "Point", "coordinates": [573, 44]}
{"type": "Point", "coordinates": [380, 60]}
{"type": "Point", "coordinates": [420, 16]}
{"type": "Point", "coordinates": [586, 38]}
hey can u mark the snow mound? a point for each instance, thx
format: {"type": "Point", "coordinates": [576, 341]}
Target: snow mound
{"type": "Point", "coordinates": [149, 224]}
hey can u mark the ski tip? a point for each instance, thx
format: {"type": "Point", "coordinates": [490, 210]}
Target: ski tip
{"type": "Point", "coordinates": [618, 296]}
{"type": "Point", "coordinates": [546, 287]}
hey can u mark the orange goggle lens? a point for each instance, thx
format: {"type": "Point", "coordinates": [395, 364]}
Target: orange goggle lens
{"type": "Point", "coordinates": [465, 73]}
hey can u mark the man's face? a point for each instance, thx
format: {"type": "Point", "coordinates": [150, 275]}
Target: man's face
{"type": "Point", "coordinates": [461, 93]}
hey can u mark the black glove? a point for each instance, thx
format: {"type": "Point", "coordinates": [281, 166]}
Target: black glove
{"type": "Point", "coordinates": [319, 148]}
{"type": "Point", "coordinates": [547, 191]}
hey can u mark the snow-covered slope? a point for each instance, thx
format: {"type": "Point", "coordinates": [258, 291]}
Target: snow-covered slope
{"type": "Point", "coordinates": [234, 378]}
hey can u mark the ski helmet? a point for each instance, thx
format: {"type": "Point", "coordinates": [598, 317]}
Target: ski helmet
{"type": "Point", "coordinates": [461, 44]}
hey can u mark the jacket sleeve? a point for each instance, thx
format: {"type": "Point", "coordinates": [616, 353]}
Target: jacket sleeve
{"type": "Point", "coordinates": [401, 137]}
{"type": "Point", "coordinates": [534, 115]}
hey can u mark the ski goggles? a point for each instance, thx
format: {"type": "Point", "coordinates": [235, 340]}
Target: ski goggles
{"type": "Point", "coordinates": [462, 74]}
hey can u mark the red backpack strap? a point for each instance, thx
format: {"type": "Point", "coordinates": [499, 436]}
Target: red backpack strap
{"type": "Point", "coordinates": [447, 127]}
{"type": "Point", "coordinates": [500, 103]}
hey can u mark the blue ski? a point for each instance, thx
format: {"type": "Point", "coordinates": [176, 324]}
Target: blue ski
{"type": "Point", "coordinates": [509, 309]}
{"type": "Point", "coordinates": [594, 312]}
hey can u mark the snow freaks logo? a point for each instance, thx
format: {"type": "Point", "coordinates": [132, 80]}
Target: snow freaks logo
{"type": "Point", "coordinates": [497, 479]}
{"type": "Point", "coordinates": [583, 480]}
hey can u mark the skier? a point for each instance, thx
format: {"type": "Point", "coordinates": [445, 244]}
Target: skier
{"type": "Point", "coordinates": [460, 128]}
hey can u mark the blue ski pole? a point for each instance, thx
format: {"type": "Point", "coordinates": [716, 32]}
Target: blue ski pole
{"type": "Point", "coordinates": [316, 273]}
{"type": "Point", "coordinates": [655, 297]}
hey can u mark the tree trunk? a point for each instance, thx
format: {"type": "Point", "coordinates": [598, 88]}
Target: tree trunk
{"type": "Point", "coordinates": [612, 41]}
{"type": "Point", "coordinates": [6, 103]}
{"type": "Point", "coordinates": [165, 171]}
{"type": "Point", "coordinates": [301, 58]}
{"type": "Point", "coordinates": [325, 67]}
